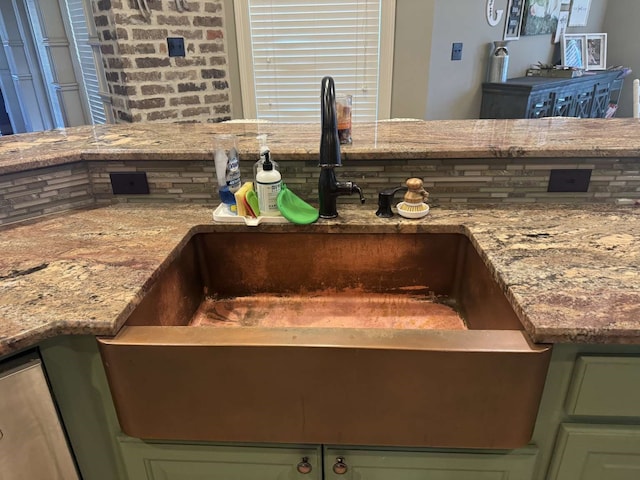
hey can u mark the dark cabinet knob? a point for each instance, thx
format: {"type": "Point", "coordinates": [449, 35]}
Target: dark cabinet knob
{"type": "Point", "coordinates": [340, 468]}
{"type": "Point", "coordinates": [304, 466]}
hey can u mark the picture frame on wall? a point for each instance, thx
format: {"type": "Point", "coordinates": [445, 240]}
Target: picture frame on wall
{"type": "Point", "coordinates": [579, 13]}
{"type": "Point", "coordinates": [540, 17]}
{"type": "Point", "coordinates": [513, 22]}
{"type": "Point", "coordinates": [573, 49]}
{"type": "Point", "coordinates": [596, 58]}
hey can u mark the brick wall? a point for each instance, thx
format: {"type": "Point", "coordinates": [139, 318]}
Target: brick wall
{"type": "Point", "coordinates": [144, 82]}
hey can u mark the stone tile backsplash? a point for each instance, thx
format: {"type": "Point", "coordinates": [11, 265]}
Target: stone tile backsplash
{"type": "Point", "coordinates": [48, 190]}
{"type": "Point", "coordinates": [34, 193]}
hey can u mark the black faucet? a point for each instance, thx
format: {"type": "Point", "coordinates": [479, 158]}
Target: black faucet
{"type": "Point", "coordinates": [328, 186]}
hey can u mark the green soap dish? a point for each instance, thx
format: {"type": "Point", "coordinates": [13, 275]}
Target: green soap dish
{"type": "Point", "coordinates": [294, 209]}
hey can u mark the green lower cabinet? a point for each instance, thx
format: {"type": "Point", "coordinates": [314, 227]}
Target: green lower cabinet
{"type": "Point", "coordinates": [186, 461]}
{"type": "Point", "coordinates": [596, 452]}
{"type": "Point", "coordinates": [175, 461]}
{"type": "Point", "coordinates": [353, 464]}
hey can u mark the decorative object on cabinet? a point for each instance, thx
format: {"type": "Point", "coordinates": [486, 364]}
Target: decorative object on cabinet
{"type": "Point", "coordinates": [498, 62]}
{"type": "Point", "coordinates": [596, 58]}
{"type": "Point", "coordinates": [542, 70]}
{"type": "Point", "coordinates": [579, 13]}
{"type": "Point", "coordinates": [561, 29]}
{"type": "Point", "coordinates": [513, 22]}
{"type": "Point", "coordinates": [588, 96]}
{"type": "Point", "coordinates": [636, 98]}
{"type": "Point", "coordinates": [574, 50]}
{"type": "Point", "coordinates": [540, 17]}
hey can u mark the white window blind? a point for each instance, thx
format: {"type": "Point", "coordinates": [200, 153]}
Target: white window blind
{"type": "Point", "coordinates": [287, 46]}
{"type": "Point", "coordinates": [87, 47]}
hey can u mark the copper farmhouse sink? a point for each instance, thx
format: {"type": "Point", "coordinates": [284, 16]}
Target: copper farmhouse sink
{"type": "Point", "coordinates": [328, 336]}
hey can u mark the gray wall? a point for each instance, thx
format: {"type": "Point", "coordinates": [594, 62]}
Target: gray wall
{"type": "Point", "coordinates": [412, 52]}
{"type": "Point", "coordinates": [621, 24]}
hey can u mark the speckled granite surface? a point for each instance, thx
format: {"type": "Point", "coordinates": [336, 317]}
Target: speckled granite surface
{"type": "Point", "coordinates": [571, 273]}
{"type": "Point", "coordinates": [548, 137]}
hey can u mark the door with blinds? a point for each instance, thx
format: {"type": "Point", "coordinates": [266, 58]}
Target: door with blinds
{"type": "Point", "coordinates": [88, 59]}
{"type": "Point", "coordinates": [42, 39]}
{"type": "Point", "coordinates": [285, 47]}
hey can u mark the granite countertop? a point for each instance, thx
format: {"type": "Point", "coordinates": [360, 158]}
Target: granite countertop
{"type": "Point", "coordinates": [548, 137]}
{"type": "Point", "coordinates": [572, 273]}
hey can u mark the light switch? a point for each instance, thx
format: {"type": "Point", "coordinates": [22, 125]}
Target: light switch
{"type": "Point", "coordinates": [456, 51]}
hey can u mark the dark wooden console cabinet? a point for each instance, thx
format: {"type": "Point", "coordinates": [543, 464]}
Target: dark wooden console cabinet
{"type": "Point", "coordinates": [588, 96]}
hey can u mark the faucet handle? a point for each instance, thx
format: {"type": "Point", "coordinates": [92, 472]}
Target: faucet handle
{"type": "Point", "coordinates": [385, 199]}
{"type": "Point", "coordinates": [359, 190]}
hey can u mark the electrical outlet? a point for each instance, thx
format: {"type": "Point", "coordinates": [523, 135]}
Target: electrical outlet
{"type": "Point", "coordinates": [456, 51]}
{"type": "Point", "coordinates": [175, 46]}
{"type": "Point", "coordinates": [129, 183]}
{"type": "Point", "coordinates": [569, 180]}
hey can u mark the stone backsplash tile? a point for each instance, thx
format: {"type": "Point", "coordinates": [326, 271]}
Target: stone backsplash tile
{"type": "Point", "coordinates": [478, 181]}
{"type": "Point", "coordinates": [43, 191]}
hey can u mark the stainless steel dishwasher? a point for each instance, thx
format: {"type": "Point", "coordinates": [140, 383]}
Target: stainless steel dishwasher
{"type": "Point", "coordinates": [32, 443]}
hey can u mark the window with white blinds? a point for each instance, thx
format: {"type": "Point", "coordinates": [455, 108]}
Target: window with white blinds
{"type": "Point", "coordinates": [286, 46]}
{"type": "Point", "coordinates": [87, 47]}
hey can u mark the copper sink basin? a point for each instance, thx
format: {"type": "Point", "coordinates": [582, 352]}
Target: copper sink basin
{"type": "Point", "coordinates": [328, 336]}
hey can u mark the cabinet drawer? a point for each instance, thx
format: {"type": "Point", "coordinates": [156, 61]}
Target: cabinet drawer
{"type": "Point", "coordinates": [596, 452]}
{"type": "Point", "coordinates": [605, 386]}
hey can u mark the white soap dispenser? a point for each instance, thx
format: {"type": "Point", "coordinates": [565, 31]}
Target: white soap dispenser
{"type": "Point", "coordinates": [268, 186]}
{"type": "Point", "coordinates": [264, 148]}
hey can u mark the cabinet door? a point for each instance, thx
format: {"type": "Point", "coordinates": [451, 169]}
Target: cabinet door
{"type": "Point", "coordinates": [564, 104]}
{"type": "Point", "coordinates": [600, 103]}
{"type": "Point", "coordinates": [540, 105]}
{"type": "Point", "coordinates": [344, 464]}
{"type": "Point", "coordinates": [172, 461]}
{"type": "Point", "coordinates": [605, 386]}
{"type": "Point", "coordinates": [596, 452]}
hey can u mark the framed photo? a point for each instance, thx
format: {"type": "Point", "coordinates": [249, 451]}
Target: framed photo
{"type": "Point", "coordinates": [596, 51]}
{"type": "Point", "coordinates": [540, 17]}
{"type": "Point", "coordinates": [513, 23]}
{"type": "Point", "coordinates": [579, 13]}
{"type": "Point", "coordinates": [573, 48]}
